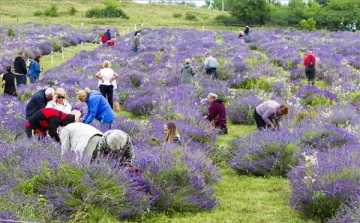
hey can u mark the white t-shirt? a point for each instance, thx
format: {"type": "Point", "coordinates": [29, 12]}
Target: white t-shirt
{"type": "Point", "coordinates": [106, 74]}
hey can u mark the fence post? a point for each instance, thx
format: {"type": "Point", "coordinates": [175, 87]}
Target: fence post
{"type": "Point", "coordinates": [82, 45]}
{"type": "Point", "coordinates": [52, 57]}
{"type": "Point", "coordinates": [62, 53]}
{"type": "Point", "coordinates": [135, 27]}
{"type": "Point", "coordinates": [115, 34]}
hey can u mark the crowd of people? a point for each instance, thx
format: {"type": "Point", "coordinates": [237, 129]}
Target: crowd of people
{"type": "Point", "coordinates": [48, 112]}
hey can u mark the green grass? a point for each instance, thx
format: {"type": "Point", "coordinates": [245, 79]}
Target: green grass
{"type": "Point", "coordinates": [69, 52]}
{"type": "Point", "coordinates": [150, 15]}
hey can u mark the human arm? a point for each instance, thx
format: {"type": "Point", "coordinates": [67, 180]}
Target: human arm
{"type": "Point", "coordinates": [41, 102]}
{"type": "Point", "coordinates": [92, 109]}
{"type": "Point", "coordinates": [65, 140]}
{"type": "Point", "coordinates": [206, 64]}
{"type": "Point", "coordinates": [98, 75]}
{"type": "Point", "coordinates": [114, 77]}
{"type": "Point", "coordinates": [192, 71]}
{"type": "Point", "coordinates": [267, 114]}
{"type": "Point", "coordinates": [212, 113]}
{"type": "Point", "coordinates": [3, 83]}
{"type": "Point", "coordinates": [54, 123]}
{"type": "Point", "coordinates": [36, 66]}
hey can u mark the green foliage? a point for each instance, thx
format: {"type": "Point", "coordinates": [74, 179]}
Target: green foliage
{"type": "Point", "coordinates": [264, 85]}
{"type": "Point", "coordinates": [190, 16]}
{"type": "Point", "coordinates": [112, 3]}
{"type": "Point", "coordinates": [226, 19]}
{"type": "Point", "coordinates": [108, 12]}
{"type": "Point", "coordinates": [10, 32]}
{"type": "Point", "coordinates": [354, 96]}
{"type": "Point", "coordinates": [56, 46]}
{"type": "Point", "coordinates": [177, 15]}
{"type": "Point", "coordinates": [51, 11]}
{"type": "Point", "coordinates": [250, 11]}
{"type": "Point", "coordinates": [247, 83]}
{"type": "Point", "coordinates": [309, 24]}
{"type": "Point", "coordinates": [315, 100]}
{"type": "Point", "coordinates": [72, 10]}
{"type": "Point", "coordinates": [304, 114]}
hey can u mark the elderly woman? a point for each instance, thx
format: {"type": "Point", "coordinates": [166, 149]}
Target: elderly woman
{"type": "Point", "coordinates": [59, 101]}
{"type": "Point", "coordinates": [98, 107]}
{"type": "Point", "coordinates": [107, 83]}
{"type": "Point", "coordinates": [268, 111]}
{"type": "Point", "coordinates": [187, 72]}
{"type": "Point", "coordinates": [118, 145]}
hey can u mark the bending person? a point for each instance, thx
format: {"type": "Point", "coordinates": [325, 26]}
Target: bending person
{"type": "Point", "coordinates": [48, 120]}
{"type": "Point", "coordinates": [268, 111]}
{"type": "Point", "coordinates": [118, 145]}
{"type": "Point", "coordinates": [98, 107]}
{"type": "Point", "coordinates": [39, 101]}
{"type": "Point", "coordinates": [80, 137]}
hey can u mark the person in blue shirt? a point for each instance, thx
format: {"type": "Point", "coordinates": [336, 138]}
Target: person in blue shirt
{"type": "Point", "coordinates": [34, 69]}
{"type": "Point", "coordinates": [98, 107]}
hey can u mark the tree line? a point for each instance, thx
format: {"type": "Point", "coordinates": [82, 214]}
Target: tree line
{"type": "Point", "coordinates": [311, 14]}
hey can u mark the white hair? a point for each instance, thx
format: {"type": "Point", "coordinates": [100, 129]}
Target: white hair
{"type": "Point", "coordinates": [49, 91]}
{"type": "Point", "coordinates": [116, 140]}
{"type": "Point", "coordinates": [212, 95]}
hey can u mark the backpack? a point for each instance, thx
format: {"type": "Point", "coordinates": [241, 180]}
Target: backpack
{"type": "Point", "coordinates": [311, 64]}
{"type": "Point", "coordinates": [104, 38]}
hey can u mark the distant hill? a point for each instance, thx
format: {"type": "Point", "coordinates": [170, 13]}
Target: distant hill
{"type": "Point", "coordinates": [149, 15]}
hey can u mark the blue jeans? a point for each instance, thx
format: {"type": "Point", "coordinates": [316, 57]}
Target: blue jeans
{"type": "Point", "coordinates": [20, 79]}
{"type": "Point", "coordinates": [213, 73]}
{"type": "Point", "coordinates": [32, 78]}
{"type": "Point", "coordinates": [136, 49]}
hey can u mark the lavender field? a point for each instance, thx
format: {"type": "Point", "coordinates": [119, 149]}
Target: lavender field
{"type": "Point", "coordinates": [317, 150]}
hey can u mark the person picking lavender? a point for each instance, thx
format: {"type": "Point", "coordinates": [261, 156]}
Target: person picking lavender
{"type": "Point", "coordinates": [268, 111]}
{"type": "Point", "coordinates": [217, 113]}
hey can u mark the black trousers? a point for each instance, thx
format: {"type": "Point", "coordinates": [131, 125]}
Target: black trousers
{"type": "Point", "coordinates": [107, 91]}
{"type": "Point", "coordinates": [261, 124]}
{"type": "Point", "coordinates": [310, 74]}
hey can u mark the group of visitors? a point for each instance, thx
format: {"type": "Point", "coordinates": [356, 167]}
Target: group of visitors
{"type": "Point", "coordinates": [20, 73]}
{"type": "Point", "coordinates": [349, 27]}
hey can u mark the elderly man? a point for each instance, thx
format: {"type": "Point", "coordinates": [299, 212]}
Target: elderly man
{"type": "Point", "coordinates": [268, 111]}
{"type": "Point", "coordinates": [210, 65]}
{"type": "Point", "coordinates": [39, 101]}
{"type": "Point", "coordinates": [217, 113]}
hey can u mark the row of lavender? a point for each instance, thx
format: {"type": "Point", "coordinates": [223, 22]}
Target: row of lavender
{"type": "Point", "coordinates": [318, 148]}
{"type": "Point", "coordinates": [33, 39]}
{"type": "Point", "coordinates": [149, 86]}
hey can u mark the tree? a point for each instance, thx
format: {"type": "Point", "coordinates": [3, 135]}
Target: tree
{"type": "Point", "coordinates": [250, 11]}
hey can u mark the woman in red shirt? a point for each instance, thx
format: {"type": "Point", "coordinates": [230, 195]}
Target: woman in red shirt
{"type": "Point", "coordinates": [310, 62]}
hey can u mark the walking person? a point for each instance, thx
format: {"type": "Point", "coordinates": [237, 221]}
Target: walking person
{"type": "Point", "coordinates": [217, 113]}
{"type": "Point", "coordinates": [38, 101]}
{"type": "Point", "coordinates": [20, 69]}
{"type": "Point", "coordinates": [187, 72]}
{"type": "Point", "coordinates": [8, 82]}
{"type": "Point", "coordinates": [136, 42]}
{"type": "Point", "coordinates": [210, 66]}
{"type": "Point", "coordinates": [98, 107]}
{"type": "Point", "coordinates": [34, 69]}
{"type": "Point", "coordinates": [353, 27]}
{"type": "Point", "coordinates": [310, 63]}
{"type": "Point", "coordinates": [267, 112]}
{"type": "Point", "coordinates": [107, 82]}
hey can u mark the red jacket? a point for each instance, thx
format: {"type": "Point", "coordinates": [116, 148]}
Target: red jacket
{"type": "Point", "coordinates": [49, 119]}
{"type": "Point", "coordinates": [307, 60]}
{"type": "Point", "coordinates": [217, 113]}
